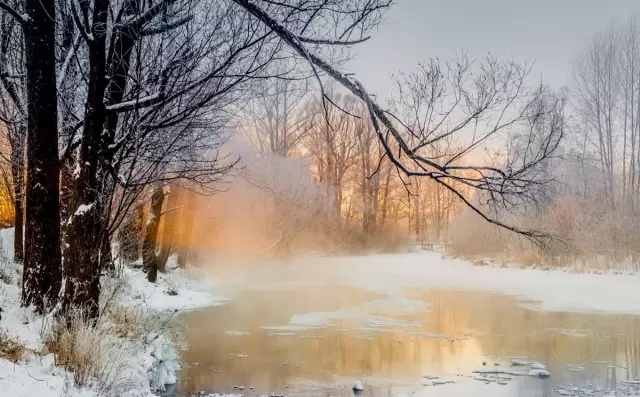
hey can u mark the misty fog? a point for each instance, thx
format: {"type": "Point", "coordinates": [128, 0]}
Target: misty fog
{"type": "Point", "coordinates": [231, 198]}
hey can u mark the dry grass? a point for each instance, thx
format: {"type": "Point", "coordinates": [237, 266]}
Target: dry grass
{"type": "Point", "coordinates": [79, 347]}
{"type": "Point", "coordinates": [10, 348]}
{"type": "Point", "coordinates": [101, 354]}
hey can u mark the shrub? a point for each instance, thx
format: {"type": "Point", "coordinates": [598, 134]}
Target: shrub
{"type": "Point", "coordinates": [124, 350]}
{"type": "Point", "coordinates": [10, 348]}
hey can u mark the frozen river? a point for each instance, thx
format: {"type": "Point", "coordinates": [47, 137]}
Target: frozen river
{"type": "Point", "coordinates": [412, 325]}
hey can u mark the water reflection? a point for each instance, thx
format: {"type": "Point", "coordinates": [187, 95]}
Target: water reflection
{"type": "Point", "coordinates": [462, 331]}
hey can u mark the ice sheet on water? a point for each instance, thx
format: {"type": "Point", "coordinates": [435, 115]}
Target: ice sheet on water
{"type": "Point", "coordinates": [237, 333]}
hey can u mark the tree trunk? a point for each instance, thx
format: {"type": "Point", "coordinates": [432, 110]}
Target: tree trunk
{"type": "Point", "coordinates": [66, 203]}
{"type": "Point", "coordinates": [168, 228]}
{"type": "Point", "coordinates": [185, 243]}
{"type": "Point", "coordinates": [149, 259]}
{"type": "Point", "coordinates": [42, 273]}
{"type": "Point", "coordinates": [86, 225]}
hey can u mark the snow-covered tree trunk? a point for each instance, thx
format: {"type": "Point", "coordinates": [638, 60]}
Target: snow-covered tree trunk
{"type": "Point", "coordinates": [42, 273]}
{"type": "Point", "coordinates": [86, 225]}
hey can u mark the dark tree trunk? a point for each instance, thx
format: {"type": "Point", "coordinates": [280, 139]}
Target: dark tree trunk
{"type": "Point", "coordinates": [17, 174]}
{"type": "Point", "coordinates": [149, 259]}
{"type": "Point", "coordinates": [168, 227]}
{"type": "Point", "coordinates": [66, 203]}
{"type": "Point", "coordinates": [187, 231]}
{"type": "Point", "coordinates": [42, 272]}
{"type": "Point", "coordinates": [86, 226]}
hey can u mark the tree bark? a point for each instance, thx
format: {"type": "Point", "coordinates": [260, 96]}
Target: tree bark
{"type": "Point", "coordinates": [42, 261]}
{"type": "Point", "coordinates": [149, 259]}
{"type": "Point", "coordinates": [86, 226]}
{"type": "Point", "coordinates": [66, 203]}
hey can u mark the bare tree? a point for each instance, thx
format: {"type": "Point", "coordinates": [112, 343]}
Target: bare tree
{"type": "Point", "coordinates": [597, 92]}
{"type": "Point", "coordinates": [278, 122]}
{"type": "Point", "coordinates": [498, 90]}
{"type": "Point", "coordinates": [41, 281]}
{"type": "Point", "coordinates": [331, 143]}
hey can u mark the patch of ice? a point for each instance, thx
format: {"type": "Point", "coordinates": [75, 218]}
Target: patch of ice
{"type": "Point", "coordinates": [541, 373]}
{"type": "Point", "coordinates": [538, 366]}
{"type": "Point", "coordinates": [324, 319]}
{"type": "Point", "coordinates": [237, 333]}
{"type": "Point", "coordinates": [519, 362]}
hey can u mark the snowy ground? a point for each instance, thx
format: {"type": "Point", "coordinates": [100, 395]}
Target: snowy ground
{"type": "Point", "coordinates": [144, 363]}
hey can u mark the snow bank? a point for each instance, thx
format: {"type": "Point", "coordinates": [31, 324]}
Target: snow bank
{"type": "Point", "coordinates": [37, 376]}
{"type": "Point", "coordinates": [141, 364]}
{"type": "Point", "coordinates": [176, 290]}
{"type": "Point", "coordinates": [34, 375]}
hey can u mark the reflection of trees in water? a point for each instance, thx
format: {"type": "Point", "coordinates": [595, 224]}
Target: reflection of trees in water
{"type": "Point", "coordinates": [501, 327]}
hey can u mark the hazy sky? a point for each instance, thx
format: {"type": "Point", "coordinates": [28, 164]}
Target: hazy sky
{"type": "Point", "coordinates": [550, 32]}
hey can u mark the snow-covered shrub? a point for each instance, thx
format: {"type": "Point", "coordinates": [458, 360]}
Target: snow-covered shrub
{"type": "Point", "coordinates": [10, 348]}
{"type": "Point", "coordinates": [89, 353]}
{"type": "Point", "coordinates": [98, 353]}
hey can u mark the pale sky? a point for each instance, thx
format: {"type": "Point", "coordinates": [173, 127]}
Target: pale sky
{"type": "Point", "coordinates": [549, 32]}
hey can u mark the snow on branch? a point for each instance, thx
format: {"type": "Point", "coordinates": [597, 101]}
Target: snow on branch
{"type": "Point", "coordinates": [166, 26]}
{"type": "Point", "coordinates": [137, 103]}
{"type": "Point", "coordinates": [311, 40]}
{"type": "Point", "coordinates": [138, 21]}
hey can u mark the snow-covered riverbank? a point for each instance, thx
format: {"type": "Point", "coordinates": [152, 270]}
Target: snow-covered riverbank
{"type": "Point", "coordinates": [145, 364]}
{"type": "Point", "coordinates": [550, 290]}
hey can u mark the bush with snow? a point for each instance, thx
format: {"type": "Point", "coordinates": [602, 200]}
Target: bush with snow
{"type": "Point", "coordinates": [128, 351]}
